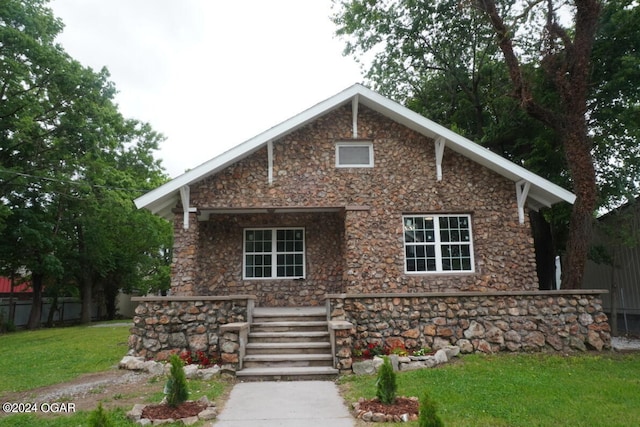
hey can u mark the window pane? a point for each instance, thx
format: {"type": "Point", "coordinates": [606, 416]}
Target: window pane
{"type": "Point", "coordinates": [354, 155]}
{"type": "Point", "coordinates": [449, 237]}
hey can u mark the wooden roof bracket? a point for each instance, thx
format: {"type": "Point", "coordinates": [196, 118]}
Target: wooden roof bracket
{"type": "Point", "coordinates": [522, 192]}
{"type": "Point", "coordinates": [354, 115]}
{"type": "Point", "coordinates": [270, 160]}
{"type": "Point", "coordinates": [440, 143]}
{"type": "Point", "coordinates": [185, 196]}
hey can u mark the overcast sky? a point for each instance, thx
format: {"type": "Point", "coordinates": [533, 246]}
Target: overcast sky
{"type": "Point", "coordinates": [209, 74]}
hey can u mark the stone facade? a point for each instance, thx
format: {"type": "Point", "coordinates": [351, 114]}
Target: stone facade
{"type": "Point", "coordinates": [561, 321]}
{"type": "Point", "coordinates": [352, 216]}
{"type": "Point", "coordinates": [165, 325]}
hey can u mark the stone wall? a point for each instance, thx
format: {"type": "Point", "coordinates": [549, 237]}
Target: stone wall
{"type": "Point", "coordinates": [221, 251]}
{"type": "Point", "coordinates": [164, 325]}
{"type": "Point", "coordinates": [368, 241]}
{"type": "Point", "coordinates": [560, 321]}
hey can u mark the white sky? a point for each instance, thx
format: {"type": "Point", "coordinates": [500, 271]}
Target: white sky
{"type": "Point", "coordinates": [209, 74]}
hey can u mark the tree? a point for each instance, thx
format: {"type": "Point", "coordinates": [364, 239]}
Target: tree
{"type": "Point", "coordinates": [70, 165]}
{"type": "Point", "coordinates": [566, 63]}
{"type": "Point", "coordinates": [546, 62]}
{"type": "Point", "coordinates": [386, 385]}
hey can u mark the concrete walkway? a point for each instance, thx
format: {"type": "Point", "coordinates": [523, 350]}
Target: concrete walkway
{"type": "Point", "coordinates": [285, 404]}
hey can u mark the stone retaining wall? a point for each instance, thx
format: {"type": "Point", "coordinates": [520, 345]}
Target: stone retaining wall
{"type": "Point", "coordinates": [486, 322]}
{"type": "Point", "coordinates": [163, 325]}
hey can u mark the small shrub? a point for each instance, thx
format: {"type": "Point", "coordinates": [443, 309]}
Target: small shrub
{"type": "Point", "coordinates": [176, 389]}
{"type": "Point", "coordinates": [427, 416]}
{"type": "Point", "coordinates": [99, 418]}
{"type": "Point", "coordinates": [422, 351]}
{"type": "Point", "coordinates": [386, 386]}
{"type": "Point", "coordinates": [399, 350]}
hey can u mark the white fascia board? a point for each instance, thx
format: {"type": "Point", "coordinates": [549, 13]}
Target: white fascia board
{"type": "Point", "coordinates": [542, 190]}
{"type": "Point", "coordinates": [409, 118]}
{"type": "Point", "coordinates": [242, 150]}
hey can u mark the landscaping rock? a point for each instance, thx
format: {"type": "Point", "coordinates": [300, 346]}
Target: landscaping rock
{"type": "Point", "coordinates": [136, 412]}
{"type": "Point", "coordinates": [190, 371]}
{"type": "Point", "coordinates": [452, 351]}
{"type": "Point", "coordinates": [441, 357]}
{"type": "Point", "coordinates": [132, 363]}
{"type": "Point", "coordinates": [208, 414]}
{"type": "Point", "coordinates": [365, 367]}
{"type": "Point", "coordinates": [154, 368]}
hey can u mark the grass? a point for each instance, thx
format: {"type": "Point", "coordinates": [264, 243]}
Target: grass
{"type": "Point", "coordinates": [197, 388]}
{"type": "Point", "coordinates": [31, 359]}
{"type": "Point", "coordinates": [524, 390]}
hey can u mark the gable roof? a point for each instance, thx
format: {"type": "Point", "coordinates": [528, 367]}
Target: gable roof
{"type": "Point", "coordinates": [541, 192]}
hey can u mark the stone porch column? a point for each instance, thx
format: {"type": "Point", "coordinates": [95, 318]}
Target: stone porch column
{"type": "Point", "coordinates": [355, 237]}
{"type": "Point", "coordinates": [184, 267]}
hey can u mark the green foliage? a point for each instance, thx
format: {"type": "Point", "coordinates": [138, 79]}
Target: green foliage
{"type": "Point", "coordinates": [176, 388]}
{"type": "Point", "coordinates": [70, 165]}
{"type": "Point", "coordinates": [427, 416]}
{"type": "Point", "coordinates": [386, 387]}
{"type": "Point", "coordinates": [99, 418]}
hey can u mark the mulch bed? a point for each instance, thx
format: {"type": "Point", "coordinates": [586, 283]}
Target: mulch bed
{"type": "Point", "coordinates": [402, 405]}
{"type": "Point", "coordinates": [164, 412]}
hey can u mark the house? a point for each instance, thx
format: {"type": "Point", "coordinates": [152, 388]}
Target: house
{"type": "Point", "coordinates": [20, 291]}
{"type": "Point", "coordinates": [364, 209]}
{"type": "Point", "coordinates": [618, 233]}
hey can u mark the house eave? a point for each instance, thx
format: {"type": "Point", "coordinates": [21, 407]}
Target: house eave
{"type": "Point", "coordinates": [161, 200]}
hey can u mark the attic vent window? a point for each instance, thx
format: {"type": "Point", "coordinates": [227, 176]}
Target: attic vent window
{"type": "Point", "coordinates": [354, 154]}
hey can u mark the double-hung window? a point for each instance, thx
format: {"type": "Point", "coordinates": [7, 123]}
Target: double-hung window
{"type": "Point", "coordinates": [437, 243]}
{"type": "Point", "coordinates": [273, 253]}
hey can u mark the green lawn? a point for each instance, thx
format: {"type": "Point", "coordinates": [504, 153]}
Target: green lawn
{"type": "Point", "coordinates": [30, 359]}
{"type": "Point", "coordinates": [524, 390]}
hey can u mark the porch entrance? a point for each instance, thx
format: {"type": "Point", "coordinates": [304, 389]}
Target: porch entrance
{"type": "Point", "coordinates": [288, 343]}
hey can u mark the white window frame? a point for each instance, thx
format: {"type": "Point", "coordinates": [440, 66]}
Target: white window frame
{"type": "Point", "coordinates": [274, 253]}
{"type": "Point", "coordinates": [342, 144]}
{"type": "Point", "coordinates": [437, 243]}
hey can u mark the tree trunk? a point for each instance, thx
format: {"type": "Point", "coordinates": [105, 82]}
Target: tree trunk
{"type": "Point", "coordinates": [52, 311]}
{"type": "Point", "coordinates": [86, 295]}
{"type": "Point", "coordinates": [567, 65]}
{"type": "Point", "coordinates": [578, 153]}
{"type": "Point", "coordinates": [36, 306]}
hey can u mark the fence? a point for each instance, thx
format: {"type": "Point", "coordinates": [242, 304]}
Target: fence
{"type": "Point", "coordinates": [69, 310]}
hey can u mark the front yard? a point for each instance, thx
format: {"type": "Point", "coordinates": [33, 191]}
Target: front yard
{"type": "Point", "coordinates": [501, 390]}
{"type": "Point", "coordinates": [524, 390]}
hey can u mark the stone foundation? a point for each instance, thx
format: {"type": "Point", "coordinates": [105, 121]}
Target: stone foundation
{"type": "Point", "coordinates": [166, 325]}
{"type": "Point", "coordinates": [486, 322]}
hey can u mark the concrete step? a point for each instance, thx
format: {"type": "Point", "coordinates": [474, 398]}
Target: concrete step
{"type": "Point", "coordinates": [290, 360]}
{"type": "Point", "coordinates": [288, 336]}
{"type": "Point", "coordinates": [253, 348]}
{"type": "Point", "coordinates": [284, 326]}
{"type": "Point", "coordinates": [289, 314]}
{"type": "Point", "coordinates": [287, 373]}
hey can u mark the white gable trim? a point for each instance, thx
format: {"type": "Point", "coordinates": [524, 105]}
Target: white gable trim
{"type": "Point", "coordinates": [541, 192]}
